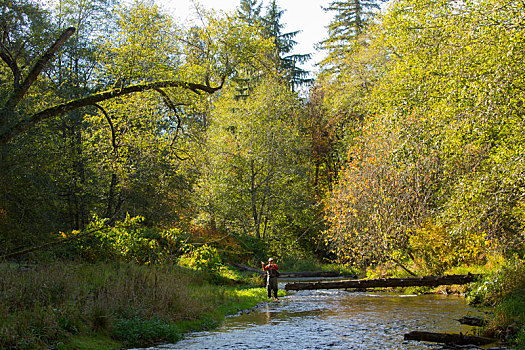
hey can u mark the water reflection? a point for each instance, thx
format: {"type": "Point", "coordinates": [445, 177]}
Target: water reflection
{"type": "Point", "coordinates": [335, 320]}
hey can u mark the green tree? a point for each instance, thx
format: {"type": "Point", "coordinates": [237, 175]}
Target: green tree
{"type": "Point", "coordinates": [250, 11]}
{"type": "Point", "coordinates": [25, 166]}
{"type": "Point", "coordinates": [256, 181]}
{"type": "Point", "coordinates": [118, 170]}
{"type": "Point", "coordinates": [349, 70]}
{"type": "Point", "coordinates": [438, 163]}
{"type": "Point", "coordinates": [71, 74]}
{"type": "Point", "coordinates": [350, 20]}
{"type": "Point", "coordinates": [284, 44]}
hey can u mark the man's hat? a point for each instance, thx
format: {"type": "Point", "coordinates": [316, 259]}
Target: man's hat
{"type": "Point", "coordinates": [270, 259]}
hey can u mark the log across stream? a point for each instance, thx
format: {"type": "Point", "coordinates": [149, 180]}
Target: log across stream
{"type": "Point", "coordinates": [425, 281]}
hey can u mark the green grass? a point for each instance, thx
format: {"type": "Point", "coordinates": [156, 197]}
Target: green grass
{"type": "Point", "coordinates": [504, 290]}
{"type": "Point", "coordinates": [84, 306]}
{"type": "Point", "coordinates": [89, 342]}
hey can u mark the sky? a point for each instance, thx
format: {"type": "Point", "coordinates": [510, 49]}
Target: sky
{"type": "Point", "coordinates": [306, 16]}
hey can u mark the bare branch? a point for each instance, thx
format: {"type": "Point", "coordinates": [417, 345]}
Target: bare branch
{"type": "Point", "coordinates": [173, 107]}
{"type": "Point", "coordinates": [113, 136]}
{"type": "Point", "coordinates": [27, 123]}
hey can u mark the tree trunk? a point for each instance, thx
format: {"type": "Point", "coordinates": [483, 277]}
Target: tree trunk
{"type": "Point", "coordinates": [112, 206]}
{"type": "Point", "coordinates": [312, 274]}
{"type": "Point", "coordinates": [426, 281]}
{"type": "Point", "coordinates": [254, 200]}
{"type": "Point", "coordinates": [81, 175]}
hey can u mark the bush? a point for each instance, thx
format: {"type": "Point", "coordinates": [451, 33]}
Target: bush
{"type": "Point", "coordinates": [495, 287]}
{"type": "Point", "coordinates": [505, 290]}
{"type": "Point", "coordinates": [205, 258]}
{"type": "Point", "coordinates": [127, 241]}
{"type": "Point", "coordinates": [138, 331]}
{"type": "Point", "coordinates": [436, 249]}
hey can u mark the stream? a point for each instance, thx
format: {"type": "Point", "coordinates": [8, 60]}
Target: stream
{"type": "Point", "coordinates": [335, 319]}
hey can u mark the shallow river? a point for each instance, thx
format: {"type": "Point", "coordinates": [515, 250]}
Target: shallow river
{"type": "Point", "coordinates": [335, 319]}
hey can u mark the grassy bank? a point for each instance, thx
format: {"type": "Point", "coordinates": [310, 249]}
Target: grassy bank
{"type": "Point", "coordinates": [504, 291]}
{"type": "Point", "coordinates": [97, 306]}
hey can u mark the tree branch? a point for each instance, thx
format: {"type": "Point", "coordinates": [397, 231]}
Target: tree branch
{"type": "Point", "coordinates": [113, 136]}
{"type": "Point", "coordinates": [49, 244]}
{"type": "Point", "coordinates": [21, 90]}
{"type": "Point", "coordinates": [11, 63]}
{"type": "Point", "coordinates": [29, 122]}
{"type": "Point", "coordinates": [173, 107]}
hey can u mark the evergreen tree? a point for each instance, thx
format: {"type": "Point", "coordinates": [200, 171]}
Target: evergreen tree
{"type": "Point", "coordinates": [349, 21]}
{"type": "Point", "coordinates": [249, 11]}
{"type": "Point", "coordinates": [284, 44]}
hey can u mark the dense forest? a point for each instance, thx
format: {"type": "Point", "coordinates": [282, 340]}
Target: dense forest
{"type": "Point", "coordinates": [128, 136]}
{"type": "Point", "coordinates": [113, 110]}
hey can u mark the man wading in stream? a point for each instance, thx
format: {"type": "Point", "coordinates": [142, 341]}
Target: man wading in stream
{"type": "Point", "coordinates": [271, 278]}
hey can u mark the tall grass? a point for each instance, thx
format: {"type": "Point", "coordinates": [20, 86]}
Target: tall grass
{"type": "Point", "coordinates": [504, 290]}
{"type": "Point", "coordinates": [41, 306]}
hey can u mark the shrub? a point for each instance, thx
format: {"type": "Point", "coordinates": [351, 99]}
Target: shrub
{"type": "Point", "coordinates": [505, 290]}
{"type": "Point", "coordinates": [127, 241]}
{"type": "Point", "coordinates": [204, 258]}
{"type": "Point", "coordinates": [494, 287]}
{"type": "Point", "coordinates": [435, 249]}
{"type": "Point", "coordinates": [138, 331]}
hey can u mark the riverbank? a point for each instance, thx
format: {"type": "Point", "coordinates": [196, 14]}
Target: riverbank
{"type": "Point", "coordinates": [106, 306]}
{"type": "Point", "coordinates": [67, 305]}
{"type": "Point", "coordinates": [500, 292]}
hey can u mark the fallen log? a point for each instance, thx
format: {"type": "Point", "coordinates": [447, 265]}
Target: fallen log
{"type": "Point", "coordinates": [426, 281]}
{"type": "Point", "coordinates": [448, 338]}
{"type": "Point", "coordinates": [290, 274]}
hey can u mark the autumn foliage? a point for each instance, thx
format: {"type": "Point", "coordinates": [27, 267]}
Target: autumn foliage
{"type": "Point", "coordinates": [434, 174]}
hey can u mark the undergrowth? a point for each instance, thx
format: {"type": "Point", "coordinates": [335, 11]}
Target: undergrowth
{"type": "Point", "coordinates": [504, 291]}
{"type": "Point", "coordinates": [43, 306]}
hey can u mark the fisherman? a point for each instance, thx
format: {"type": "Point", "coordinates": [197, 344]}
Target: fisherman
{"type": "Point", "coordinates": [271, 278]}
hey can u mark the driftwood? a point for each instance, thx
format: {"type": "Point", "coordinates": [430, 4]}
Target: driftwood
{"type": "Point", "coordinates": [448, 338]}
{"type": "Point", "coordinates": [290, 274]}
{"type": "Point", "coordinates": [472, 321]}
{"type": "Point", "coordinates": [426, 281]}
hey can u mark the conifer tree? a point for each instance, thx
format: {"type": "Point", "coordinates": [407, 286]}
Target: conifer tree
{"type": "Point", "coordinates": [249, 11]}
{"type": "Point", "coordinates": [346, 27]}
{"type": "Point", "coordinates": [284, 44]}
